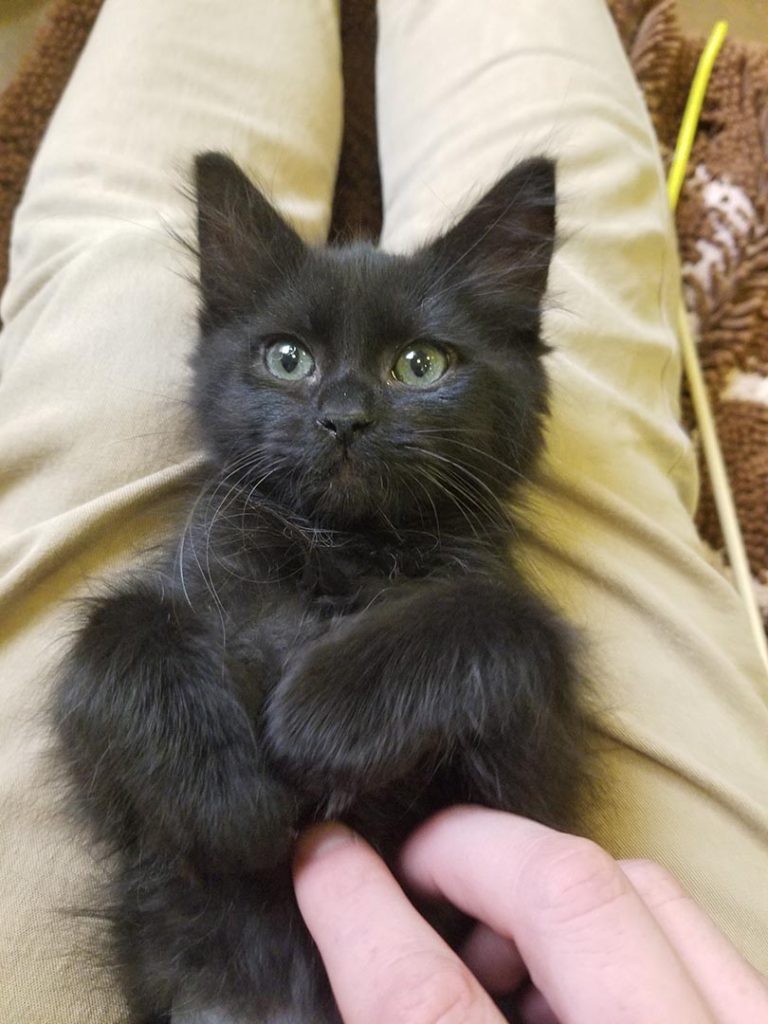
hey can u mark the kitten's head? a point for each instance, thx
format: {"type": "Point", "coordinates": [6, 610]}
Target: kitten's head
{"type": "Point", "coordinates": [355, 386]}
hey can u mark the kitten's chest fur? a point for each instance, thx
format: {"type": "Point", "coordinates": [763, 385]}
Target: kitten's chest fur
{"type": "Point", "coordinates": [274, 586]}
{"type": "Point", "coordinates": [349, 573]}
{"type": "Point", "coordinates": [261, 573]}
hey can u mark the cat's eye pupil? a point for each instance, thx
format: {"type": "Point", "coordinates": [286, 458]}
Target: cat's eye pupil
{"type": "Point", "coordinates": [289, 357]}
{"type": "Point", "coordinates": [288, 360]}
{"type": "Point", "coordinates": [420, 362]}
{"type": "Point", "coordinates": [420, 365]}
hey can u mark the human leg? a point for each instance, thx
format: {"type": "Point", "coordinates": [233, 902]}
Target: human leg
{"type": "Point", "coordinates": [463, 92]}
{"type": "Point", "coordinates": [99, 320]}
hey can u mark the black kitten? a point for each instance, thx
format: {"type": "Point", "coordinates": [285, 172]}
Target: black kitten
{"type": "Point", "coordinates": [341, 631]}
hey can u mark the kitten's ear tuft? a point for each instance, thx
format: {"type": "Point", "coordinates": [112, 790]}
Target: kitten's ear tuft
{"type": "Point", "coordinates": [502, 247]}
{"type": "Point", "coordinates": [245, 247]}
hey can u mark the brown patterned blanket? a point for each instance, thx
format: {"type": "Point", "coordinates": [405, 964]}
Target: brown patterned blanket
{"type": "Point", "coordinates": [722, 217]}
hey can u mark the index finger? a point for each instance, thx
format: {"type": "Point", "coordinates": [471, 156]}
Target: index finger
{"type": "Point", "coordinates": [384, 961]}
{"type": "Point", "coordinates": [591, 946]}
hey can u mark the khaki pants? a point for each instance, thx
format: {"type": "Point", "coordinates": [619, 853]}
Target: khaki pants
{"type": "Point", "coordinates": [94, 436]}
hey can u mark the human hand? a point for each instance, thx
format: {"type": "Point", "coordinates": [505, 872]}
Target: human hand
{"type": "Point", "coordinates": [583, 939]}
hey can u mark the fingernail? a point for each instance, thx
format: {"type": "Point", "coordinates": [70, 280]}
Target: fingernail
{"type": "Point", "coordinates": [321, 839]}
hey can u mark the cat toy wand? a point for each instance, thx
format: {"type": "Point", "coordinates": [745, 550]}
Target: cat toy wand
{"type": "Point", "coordinates": [726, 508]}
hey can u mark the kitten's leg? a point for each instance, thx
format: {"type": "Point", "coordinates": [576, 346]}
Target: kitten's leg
{"type": "Point", "coordinates": [451, 667]}
{"type": "Point", "coordinates": [161, 749]}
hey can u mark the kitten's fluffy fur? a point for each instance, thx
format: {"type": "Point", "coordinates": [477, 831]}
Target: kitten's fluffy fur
{"type": "Point", "coordinates": [341, 632]}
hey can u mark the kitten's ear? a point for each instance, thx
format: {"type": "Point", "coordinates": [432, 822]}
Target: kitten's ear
{"type": "Point", "coordinates": [502, 247]}
{"type": "Point", "coordinates": [245, 247]}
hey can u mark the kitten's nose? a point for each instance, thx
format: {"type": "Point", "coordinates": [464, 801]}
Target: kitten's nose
{"type": "Point", "coordinates": [345, 427]}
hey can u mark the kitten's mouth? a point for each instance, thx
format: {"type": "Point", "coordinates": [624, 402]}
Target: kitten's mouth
{"type": "Point", "coordinates": [347, 480]}
{"type": "Point", "coordinates": [347, 489]}
{"type": "Point", "coordinates": [346, 469]}
{"type": "Point", "coordinates": [343, 461]}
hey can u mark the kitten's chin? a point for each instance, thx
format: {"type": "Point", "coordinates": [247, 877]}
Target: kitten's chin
{"type": "Point", "coordinates": [347, 496]}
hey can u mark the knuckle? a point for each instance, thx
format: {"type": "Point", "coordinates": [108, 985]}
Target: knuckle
{"type": "Point", "coordinates": [572, 877]}
{"type": "Point", "coordinates": [440, 993]}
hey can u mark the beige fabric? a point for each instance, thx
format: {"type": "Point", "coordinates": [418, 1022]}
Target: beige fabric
{"type": "Point", "coordinates": [94, 451]}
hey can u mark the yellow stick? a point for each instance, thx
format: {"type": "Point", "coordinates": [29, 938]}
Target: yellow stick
{"type": "Point", "coordinates": [692, 112]}
{"type": "Point", "coordinates": [726, 509]}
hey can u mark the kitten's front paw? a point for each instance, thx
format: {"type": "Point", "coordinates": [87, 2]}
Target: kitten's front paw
{"type": "Point", "coordinates": [249, 823]}
{"type": "Point", "coordinates": [327, 730]}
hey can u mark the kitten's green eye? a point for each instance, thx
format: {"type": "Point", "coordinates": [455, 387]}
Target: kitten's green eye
{"type": "Point", "coordinates": [420, 364]}
{"type": "Point", "coordinates": [288, 359]}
